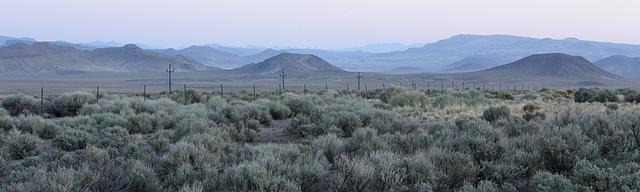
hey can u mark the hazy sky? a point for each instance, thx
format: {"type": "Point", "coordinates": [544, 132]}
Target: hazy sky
{"type": "Point", "coordinates": [315, 23]}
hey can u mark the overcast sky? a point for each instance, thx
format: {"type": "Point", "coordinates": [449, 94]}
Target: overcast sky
{"type": "Point", "coordinates": [315, 23]}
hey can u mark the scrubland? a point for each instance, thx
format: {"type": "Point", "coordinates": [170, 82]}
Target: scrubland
{"type": "Point", "coordinates": [385, 140]}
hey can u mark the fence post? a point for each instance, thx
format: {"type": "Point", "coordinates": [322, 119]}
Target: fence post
{"type": "Point", "coordinates": [382, 85]}
{"type": "Point", "coordinates": [428, 87]}
{"type": "Point", "coordinates": [304, 86]}
{"type": "Point", "coordinates": [347, 88]}
{"type": "Point", "coordinates": [365, 89]}
{"type": "Point", "coordinates": [41, 100]}
{"type": "Point", "coordinates": [221, 90]}
{"type": "Point", "coordinates": [97, 93]}
{"type": "Point", "coordinates": [184, 93]}
{"type": "Point", "coordinates": [463, 85]}
{"type": "Point", "coordinates": [326, 87]}
{"type": "Point", "coordinates": [254, 91]}
{"type": "Point", "coordinates": [144, 92]}
{"type": "Point", "coordinates": [442, 85]}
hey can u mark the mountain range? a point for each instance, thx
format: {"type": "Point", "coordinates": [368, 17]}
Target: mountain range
{"type": "Point", "coordinates": [41, 57]}
{"type": "Point", "coordinates": [460, 53]}
{"type": "Point", "coordinates": [441, 55]}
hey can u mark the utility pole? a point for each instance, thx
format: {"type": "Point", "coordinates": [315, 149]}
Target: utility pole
{"type": "Point", "coordinates": [359, 77]}
{"type": "Point", "coordinates": [326, 87]}
{"type": "Point", "coordinates": [463, 85]}
{"type": "Point", "coordinates": [383, 86]}
{"type": "Point", "coordinates": [254, 91]}
{"type": "Point", "coordinates": [365, 88]}
{"type": "Point", "coordinates": [184, 93]}
{"type": "Point", "coordinates": [428, 87]}
{"type": "Point", "coordinates": [170, 71]}
{"type": "Point", "coordinates": [283, 74]}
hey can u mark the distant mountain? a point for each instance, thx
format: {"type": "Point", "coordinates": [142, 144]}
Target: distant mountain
{"type": "Point", "coordinates": [552, 66]}
{"type": "Point", "coordinates": [101, 44]}
{"type": "Point", "coordinates": [4, 40]}
{"type": "Point", "coordinates": [405, 70]}
{"type": "Point", "coordinates": [216, 58]}
{"type": "Point", "coordinates": [621, 65]}
{"type": "Point", "coordinates": [293, 64]}
{"type": "Point", "coordinates": [473, 63]}
{"type": "Point", "coordinates": [47, 57]}
{"type": "Point", "coordinates": [240, 51]}
{"type": "Point", "coordinates": [381, 47]}
{"type": "Point", "coordinates": [208, 56]}
{"type": "Point", "coordinates": [501, 48]}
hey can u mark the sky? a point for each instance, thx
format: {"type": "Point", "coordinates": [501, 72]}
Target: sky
{"type": "Point", "coordinates": [315, 23]}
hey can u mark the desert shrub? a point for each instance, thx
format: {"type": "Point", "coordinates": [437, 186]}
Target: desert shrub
{"type": "Point", "coordinates": [304, 126]}
{"type": "Point", "coordinates": [21, 104]}
{"type": "Point", "coordinates": [492, 114]}
{"type": "Point", "coordinates": [68, 104]}
{"type": "Point", "coordinates": [254, 177]}
{"type": "Point", "coordinates": [47, 130]}
{"type": "Point", "coordinates": [353, 174]}
{"type": "Point", "coordinates": [595, 178]}
{"type": "Point", "coordinates": [364, 140]}
{"type": "Point", "coordinates": [19, 146]}
{"type": "Point", "coordinates": [530, 107]}
{"type": "Point", "coordinates": [467, 98]}
{"type": "Point", "coordinates": [409, 98]}
{"type": "Point", "coordinates": [595, 95]}
{"type": "Point", "coordinates": [452, 168]}
{"type": "Point", "coordinates": [545, 181]}
{"type": "Point", "coordinates": [140, 177]}
{"type": "Point", "coordinates": [27, 124]}
{"type": "Point", "coordinates": [299, 105]}
{"type": "Point", "coordinates": [276, 109]}
{"type": "Point", "coordinates": [531, 112]}
{"type": "Point", "coordinates": [71, 140]}
{"type": "Point", "coordinates": [386, 94]}
{"type": "Point", "coordinates": [6, 123]}
{"type": "Point", "coordinates": [504, 95]}
{"type": "Point", "coordinates": [246, 114]}
{"type": "Point", "coordinates": [348, 122]}
{"type": "Point", "coordinates": [612, 106]}
{"type": "Point", "coordinates": [529, 97]}
{"type": "Point", "coordinates": [483, 186]}
{"type": "Point", "coordinates": [189, 97]}
{"type": "Point", "coordinates": [446, 100]}
{"type": "Point", "coordinates": [4, 112]}
{"type": "Point", "coordinates": [330, 146]}
{"type": "Point", "coordinates": [142, 123]}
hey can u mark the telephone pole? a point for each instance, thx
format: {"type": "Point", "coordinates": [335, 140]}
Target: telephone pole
{"type": "Point", "coordinates": [283, 74]}
{"type": "Point", "coordinates": [170, 71]}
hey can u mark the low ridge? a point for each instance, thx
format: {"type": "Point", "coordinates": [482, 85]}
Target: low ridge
{"type": "Point", "coordinates": [293, 64]}
{"type": "Point", "coordinates": [554, 65]}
